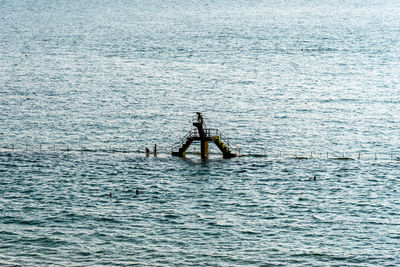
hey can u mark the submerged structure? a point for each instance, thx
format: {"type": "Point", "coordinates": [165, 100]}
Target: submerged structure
{"type": "Point", "coordinates": [204, 135]}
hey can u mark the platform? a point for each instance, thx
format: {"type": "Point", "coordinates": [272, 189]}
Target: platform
{"type": "Point", "coordinates": [204, 135]}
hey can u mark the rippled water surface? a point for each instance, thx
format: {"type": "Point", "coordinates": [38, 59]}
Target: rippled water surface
{"type": "Point", "coordinates": [305, 89]}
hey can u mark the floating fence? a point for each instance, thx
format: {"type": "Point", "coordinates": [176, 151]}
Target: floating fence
{"type": "Point", "coordinates": [327, 155]}
{"type": "Point", "coordinates": [272, 155]}
{"type": "Point", "coordinates": [66, 148]}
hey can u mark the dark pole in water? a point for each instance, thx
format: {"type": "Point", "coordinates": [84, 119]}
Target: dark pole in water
{"type": "Point", "coordinates": [203, 136]}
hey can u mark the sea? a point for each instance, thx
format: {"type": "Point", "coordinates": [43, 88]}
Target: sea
{"type": "Point", "coordinates": [307, 90]}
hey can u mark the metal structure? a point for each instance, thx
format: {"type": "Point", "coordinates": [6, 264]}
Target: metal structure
{"type": "Point", "coordinates": [204, 135]}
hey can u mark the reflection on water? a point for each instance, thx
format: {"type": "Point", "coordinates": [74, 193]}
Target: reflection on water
{"type": "Point", "coordinates": [86, 87]}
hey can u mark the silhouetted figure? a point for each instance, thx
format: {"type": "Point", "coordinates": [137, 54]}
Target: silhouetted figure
{"type": "Point", "coordinates": [155, 150]}
{"type": "Point", "coordinates": [147, 152]}
{"type": "Point", "coordinates": [137, 192]}
{"type": "Point", "coordinates": [200, 118]}
{"type": "Point", "coordinates": [315, 178]}
{"type": "Point", "coordinates": [110, 194]}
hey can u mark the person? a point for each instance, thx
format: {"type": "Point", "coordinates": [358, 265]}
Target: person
{"type": "Point", "coordinates": [200, 118]}
{"type": "Point", "coordinates": [155, 150]}
{"type": "Point", "coordinates": [147, 152]}
{"type": "Point", "coordinates": [137, 191]}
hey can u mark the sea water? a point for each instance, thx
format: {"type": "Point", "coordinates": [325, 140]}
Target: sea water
{"type": "Point", "coordinates": [305, 89]}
